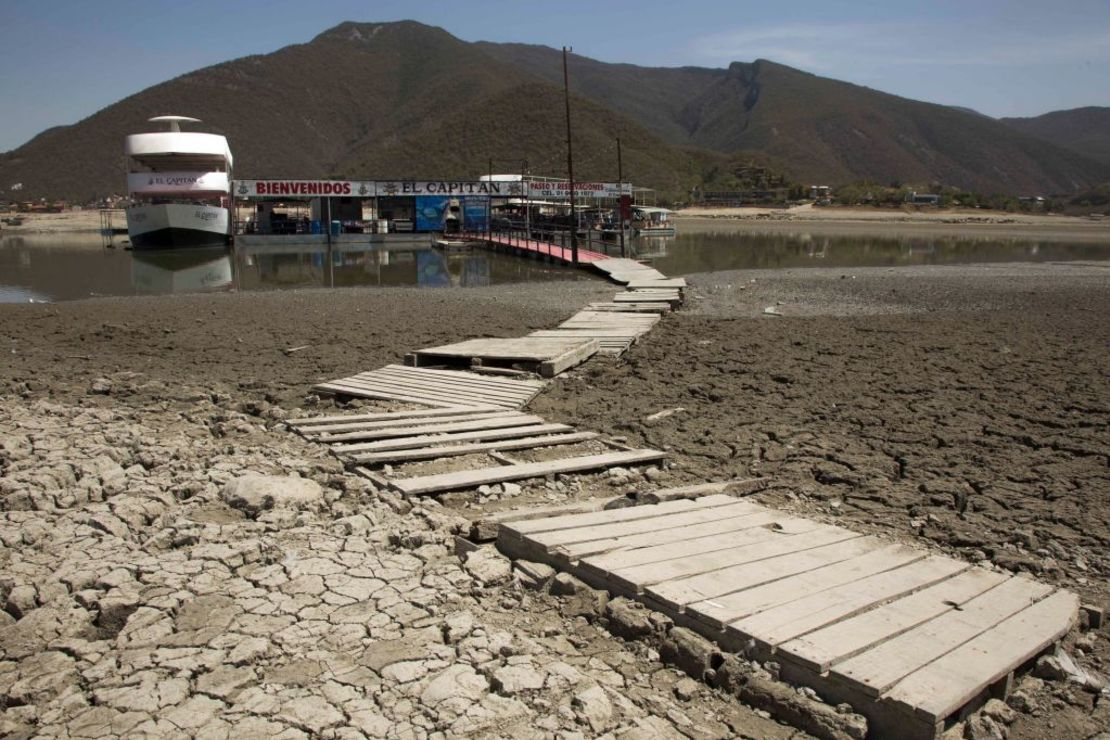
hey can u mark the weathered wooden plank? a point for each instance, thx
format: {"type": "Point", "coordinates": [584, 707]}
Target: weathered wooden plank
{"type": "Point", "coordinates": [813, 611]}
{"type": "Point", "coordinates": [341, 389]}
{"type": "Point", "coordinates": [515, 420]}
{"type": "Point", "coordinates": [830, 645]}
{"type": "Point", "coordinates": [570, 358]}
{"type": "Point", "coordinates": [742, 531]}
{"type": "Point", "coordinates": [529, 349]}
{"type": "Point", "coordinates": [408, 422]}
{"type": "Point", "coordinates": [876, 670]}
{"type": "Point", "coordinates": [651, 546]}
{"type": "Point", "coordinates": [945, 685]}
{"type": "Point", "coordinates": [731, 607]}
{"type": "Point", "coordinates": [616, 515]}
{"type": "Point", "coordinates": [678, 592]}
{"type": "Point", "coordinates": [656, 283]}
{"type": "Point", "coordinates": [450, 374]}
{"type": "Point", "coordinates": [563, 537]}
{"type": "Point", "coordinates": [471, 478]}
{"type": "Point", "coordinates": [440, 391]}
{"type": "Point", "coordinates": [431, 453]}
{"type": "Point", "coordinates": [311, 422]}
{"type": "Point", "coordinates": [424, 440]}
{"type": "Point", "coordinates": [469, 380]}
{"type": "Point", "coordinates": [644, 308]}
{"type": "Point", "coordinates": [698, 560]}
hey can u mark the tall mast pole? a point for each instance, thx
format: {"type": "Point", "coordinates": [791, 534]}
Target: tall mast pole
{"type": "Point", "coordinates": [570, 166]}
{"type": "Point", "coordinates": [620, 198]}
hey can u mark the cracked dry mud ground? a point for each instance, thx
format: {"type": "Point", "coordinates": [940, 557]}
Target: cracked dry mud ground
{"type": "Point", "coordinates": [958, 408]}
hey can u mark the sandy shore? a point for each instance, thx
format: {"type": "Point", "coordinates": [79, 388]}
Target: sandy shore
{"type": "Point", "coordinates": [965, 409]}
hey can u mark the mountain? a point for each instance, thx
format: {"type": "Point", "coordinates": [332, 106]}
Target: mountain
{"type": "Point", "coordinates": [404, 100]}
{"type": "Point", "coordinates": [1082, 130]}
{"type": "Point", "coordinates": [818, 129]}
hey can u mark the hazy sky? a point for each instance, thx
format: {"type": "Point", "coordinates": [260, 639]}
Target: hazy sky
{"type": "Point", "coordinates": [62, 60]}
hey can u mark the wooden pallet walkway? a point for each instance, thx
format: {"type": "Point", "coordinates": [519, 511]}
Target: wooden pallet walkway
{"type": "Point", "coordinates": [367, 441]}
{"type": "Point", "coordinates": [432, 387]}
{"type": "Point", "coordinates": [910, 639]}
{"type": "Point", "coordinates": [615, 332]}
{"type": "Point", "coordinates": [546, 356]}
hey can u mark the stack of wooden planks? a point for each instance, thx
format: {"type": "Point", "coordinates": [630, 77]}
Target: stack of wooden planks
{"type": "Point", "coordinates": [432, 387]}
{"type": "Point", "coordinates": [908, 638]}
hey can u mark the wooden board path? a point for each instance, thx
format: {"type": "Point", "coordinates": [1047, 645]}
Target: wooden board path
{"type": "Point", "coordinates": [433, 387]}
{"type": "Point", "coordinates": [909, 638]}
{"type": "Point", "coordinates": [547, 356]}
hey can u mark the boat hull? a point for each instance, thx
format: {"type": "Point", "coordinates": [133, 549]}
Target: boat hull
{"type": "Point", "coordinates": [177, 226]}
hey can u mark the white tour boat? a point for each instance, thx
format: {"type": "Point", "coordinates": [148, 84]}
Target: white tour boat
{"type": "Point", "coordinates": [179, 183]}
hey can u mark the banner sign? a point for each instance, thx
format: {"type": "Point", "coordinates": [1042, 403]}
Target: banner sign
{"type": "Point", "coordinates": [304, 188]}
{"type": "Point", "coordinates": [446, 187]}
{"type": "Point", "coordinates": [542, 189]}
{"type": "Point", "coordinates": [177, 182]}
{"type": "Point", "coordinates": [370, 188]}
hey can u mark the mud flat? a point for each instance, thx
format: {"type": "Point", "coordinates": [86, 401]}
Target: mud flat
{"type": "Point", "coordinates": [153, 582]}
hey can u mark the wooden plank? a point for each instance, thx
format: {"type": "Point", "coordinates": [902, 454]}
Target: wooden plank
{"type": "Point", "coordinates": [313, 421]}
{"type": "Point", "coordinates": [570, 358]}
{"type": "Point", "coordinates": [424, 394]}
{"type": "Point", "coordinates": [441, 382]}
{"type": "Point", "coordinates": [945, 685]}
{"type": "Point", "coordinates": [677, 593]}
{"type": "Point", "coordinates": [529, 349]}
{"type": "Point", "coordinates": [813, 611]}
{"type": "Point", "coordinates": [732, 607]}
{"type": "Point", "coordinates": [627, 335]}
{"type": "Point", "coordinates": [830, 645]}
{"type": "Point", "coordinates": [441, 389]}
{"type": "Point", "coordinates": [472, 478]}
{"type": "Point", "coordinates": [617, 515]}
{"type": "Point", "coordinates": [697, 560]}
{"type": "Point", "coordinates": [645, 308]}
{"type": "Point", "coordinates": [431, 453]}
{"type": "Point", "coordinates": [464, 379]}
{"type": "Point", "coordinates": [338, 388]}
{"type": "Point", "coordinates": [649, 546]}
{"type": "Point", "coordinates": [424, 440]}
{"type": "Point", "coordinates": [564, 537]}
{"type": "Point", "coordinates": [876, 670]}
{"type": "Point", "coordinates": [515, 420]}
{"type": "Point", "coordinates": [408, 422]}
{"type": "Point", "coordinates": [437, 373]}
{"type": "Point", "coordinates": [700, 539]}
{"type": "Point", "coordinates": [657, 283]}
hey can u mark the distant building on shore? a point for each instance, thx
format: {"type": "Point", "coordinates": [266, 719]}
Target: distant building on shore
{"type": "Point", "coordinates": [923, 199]}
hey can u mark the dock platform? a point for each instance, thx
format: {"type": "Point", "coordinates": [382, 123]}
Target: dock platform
{"type": "Point", "coordinates": [545, 249]}
{"type": "Point", "coordinates": [543, 355]}
{"type": "Point", "coordinates": [912, 640]}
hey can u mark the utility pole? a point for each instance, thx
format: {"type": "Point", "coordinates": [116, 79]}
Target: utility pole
{"type": "Point", "coordinates": [620, 198]}
{"type": "Point", "coordinates": [570, 166]}
{"type": "Point", "coordinates": [489, 200]}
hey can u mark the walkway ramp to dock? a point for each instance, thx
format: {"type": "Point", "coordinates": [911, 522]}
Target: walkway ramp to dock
{"type": "Point", "coordinates": [907, 637]}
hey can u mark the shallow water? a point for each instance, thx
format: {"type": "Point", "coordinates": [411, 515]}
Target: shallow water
{"type": "Point", "coordinates": [60, 268]}
{"type": "Point", "coordinates": [42, 268]}
{"type": "Point", "coordinates": [708, 251]}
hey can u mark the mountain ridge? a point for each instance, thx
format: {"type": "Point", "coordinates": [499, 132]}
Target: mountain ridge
{"type": "Point", "coordinates": [408, 100]}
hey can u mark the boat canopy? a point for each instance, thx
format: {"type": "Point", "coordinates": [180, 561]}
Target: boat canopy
{"type": "Point", "coordinates": [179, 150]}
{"type": "Point", "coordinates": [651, 209]}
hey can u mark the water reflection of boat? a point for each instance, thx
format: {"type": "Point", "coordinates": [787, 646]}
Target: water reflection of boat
{"type": "Point", "coordinates": [184, 271]}
{"type": "Point", "coordinates": [650, 246]}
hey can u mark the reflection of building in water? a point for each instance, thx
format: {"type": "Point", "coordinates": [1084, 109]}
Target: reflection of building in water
{"type": "Point", "coordinates": [186, 271]}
